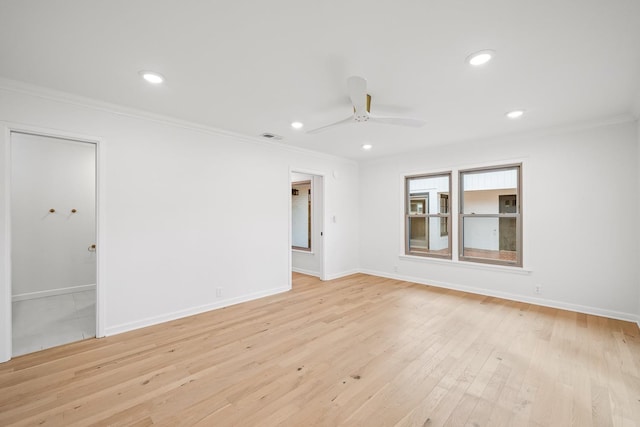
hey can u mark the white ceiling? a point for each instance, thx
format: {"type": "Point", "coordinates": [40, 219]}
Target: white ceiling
{"type": "Point", "coordinates": [255, 66]}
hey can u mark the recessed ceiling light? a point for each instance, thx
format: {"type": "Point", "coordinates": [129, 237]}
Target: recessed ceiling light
{"type": "Point", "coordinates": [367, 147]}
{"type": "Point", "coordinates": [481, 57]}
{"type": "Point", "coordinates": [297, 125]}
{"type": "Point", "coordinates": [515, 114]}
{"type": "Point", "coordinates": [152, 77]}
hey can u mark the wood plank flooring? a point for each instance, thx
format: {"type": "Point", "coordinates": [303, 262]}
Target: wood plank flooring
{"type": "Point", "coordinates": [357, 351]}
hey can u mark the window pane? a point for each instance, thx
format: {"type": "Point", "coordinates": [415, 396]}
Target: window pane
{"type": "Point", "coordinates": [427, 197]}
{"type": "Point", "coordinates": [418, 234]}
{"type": "Point", "coordinates": [301, 215]}
{"type": "Point", "coordinates": [438, 242]}
{"type": "Point", "coordinates": [428, 185]}
{"type": "Point", "coordinates": [425, 237]}
{"type": "Point", "coordinates": [482, 191]}
{"type": "Point", "coordinates": [490, 238]}
{"type": "Point", "coordinates": [419, 205]}
{"type": "Point", "coordinates": [490, 225]}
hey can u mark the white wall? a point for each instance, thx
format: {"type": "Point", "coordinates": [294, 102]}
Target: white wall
{"type": "Point", "coordinates": [176, 222]}
{"type": "Point", "coordinates": [564, 231]}
{"type": "Point", "coordinates": [49, 250]}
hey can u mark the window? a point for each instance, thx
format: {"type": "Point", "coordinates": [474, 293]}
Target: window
{"type": "Point", "coordinates": [301, 215]}
{"type": "Point", "coordinates": [444, 208]}
{"type": "Point", "coordinates": [490, 220]}
{"type": "Point", "coordinates": [427, 210]}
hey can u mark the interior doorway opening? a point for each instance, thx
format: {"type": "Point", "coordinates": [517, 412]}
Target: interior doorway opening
{"type": "Point", "coordinates": [53, 241]}
{"type": "Point", "coordinates": [307, 223]}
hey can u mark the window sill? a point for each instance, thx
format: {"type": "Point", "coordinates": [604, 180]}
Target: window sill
{"type": "Point", "coordinates": [466, 264]}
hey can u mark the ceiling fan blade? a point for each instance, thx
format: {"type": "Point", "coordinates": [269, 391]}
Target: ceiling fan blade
{"type": "Point", "coordinates": [398, 121]}
{"type": "Point", "coordinates": [323, 128]}
{"type": "Point", "coordinates": [357, 87]}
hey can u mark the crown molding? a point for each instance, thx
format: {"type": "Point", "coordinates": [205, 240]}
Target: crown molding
{"type": "Point", "coordinates": [120, 110]}
{"type": "Point", "coordinates": [558, 130]}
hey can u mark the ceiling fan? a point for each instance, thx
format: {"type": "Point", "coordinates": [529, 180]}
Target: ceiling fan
{"type": "Point", "coordinates": [361, 100]}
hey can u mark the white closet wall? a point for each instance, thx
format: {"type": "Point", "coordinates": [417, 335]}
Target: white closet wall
{"type": "Point", "coordinates": [50, 249]}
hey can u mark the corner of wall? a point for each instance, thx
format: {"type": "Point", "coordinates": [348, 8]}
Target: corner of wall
{"type": "Point", "coordinates": [5, 249]}
{"type": "Point", "coordinates": [637, 111]}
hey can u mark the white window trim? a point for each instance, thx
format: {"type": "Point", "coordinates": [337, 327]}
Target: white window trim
{"type": "Point", "coordinates": [467, 264]}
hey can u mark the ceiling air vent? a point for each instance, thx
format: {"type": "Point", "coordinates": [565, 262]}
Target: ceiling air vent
{"type": "Point", "coordinates": [269, 135]}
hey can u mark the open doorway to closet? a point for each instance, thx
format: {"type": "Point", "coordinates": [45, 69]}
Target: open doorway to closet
{"type": "Point", "coordinates": [53, 241]}
{"type": "Point", "coordinates": [307, 234]}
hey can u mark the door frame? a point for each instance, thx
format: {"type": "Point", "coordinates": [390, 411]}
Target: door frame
{"type": "Point", "coordinates": [6, 129]}
{"type": "Point", "coordinates": [320, 222]}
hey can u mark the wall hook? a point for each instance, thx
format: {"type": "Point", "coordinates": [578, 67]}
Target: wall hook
{"type": "Point", "coordinates": [52, 210]}
{"type": "Point", "coordinates": [74, 210]}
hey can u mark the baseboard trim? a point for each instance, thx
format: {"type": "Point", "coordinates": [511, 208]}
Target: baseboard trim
{"type": "Point", "coordinates": [52, 292]}
{"type": "Point", "coordinates": [329, 276]}
{"type": "Point", "coordinates": [150, 321]}
{"type": "Point", "coordinates": [342, 274]}
{"type": "Point", "coordinates": [612, 314]}
{"type": "Point", "coordinates": [307, 272]}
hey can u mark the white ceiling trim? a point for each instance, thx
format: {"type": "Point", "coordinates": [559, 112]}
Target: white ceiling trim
{"type": "Point", "coordinates": [120, 110]}
{"type": "Point", "coordinates": [519, 136]}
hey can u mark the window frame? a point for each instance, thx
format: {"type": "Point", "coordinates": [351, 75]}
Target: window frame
{"type": "Point", "coordinates": [444, 231]}
{"type": "Point", "coordinates": [427, 215]}
{"type": "Point", "coordinates": [310, 219]}
{"type": "Point", "coordinates": [517, 215]}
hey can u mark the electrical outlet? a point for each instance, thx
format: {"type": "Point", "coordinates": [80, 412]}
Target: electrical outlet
{"type": "Point", "coordinates": [538, 289]}
{"type": "Point", "coordinates": [218, 292]}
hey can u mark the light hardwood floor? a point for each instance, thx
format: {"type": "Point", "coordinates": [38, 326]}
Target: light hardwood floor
{"type": "Point", "coordinates": [362, 351]}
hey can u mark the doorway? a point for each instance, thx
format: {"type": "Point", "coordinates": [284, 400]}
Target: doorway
{"type": "Point", "coordinates": [53, 241]}
{"type": "Point", "coordinates": [306, 223]}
